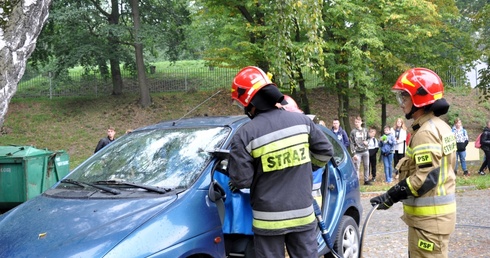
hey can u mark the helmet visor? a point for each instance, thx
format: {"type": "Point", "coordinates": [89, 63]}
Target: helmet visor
{"type": "Point", "coordinates": [401, 96]}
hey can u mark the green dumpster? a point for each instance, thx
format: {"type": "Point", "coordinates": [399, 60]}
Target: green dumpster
{"type": "Point", "coordinates": [26, 172]}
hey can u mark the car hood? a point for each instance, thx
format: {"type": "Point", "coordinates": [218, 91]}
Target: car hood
{"type": "Point", "coordinates": [58, 227]}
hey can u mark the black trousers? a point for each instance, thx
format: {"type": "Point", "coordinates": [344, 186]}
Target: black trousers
{"type": "Point", "coordinates": [298, 245]}
{"type": "Point", "coordinates": [372, 162]}
{"type": "Point", "coordinates": [397, 157]}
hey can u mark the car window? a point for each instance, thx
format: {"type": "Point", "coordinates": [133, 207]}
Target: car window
{"type": "Point", "coordinates": [338, 151]}
{"type": "Point", "coordinates": [164, 158]}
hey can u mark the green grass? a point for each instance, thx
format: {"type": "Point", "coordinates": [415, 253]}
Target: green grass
{"type": "Point", "coordinates": [474, 180]}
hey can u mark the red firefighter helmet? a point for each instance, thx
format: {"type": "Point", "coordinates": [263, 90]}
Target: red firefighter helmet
{"type": "Point", "coordinates": [423, 85]}
{"type": "Point", "coordinates": [291, 105]}
{"type": "Point", "coordinates": [247, 83]}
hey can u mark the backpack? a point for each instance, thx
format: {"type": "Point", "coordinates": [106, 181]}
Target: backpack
{"type": "Point", "coordinates": [478, 142]}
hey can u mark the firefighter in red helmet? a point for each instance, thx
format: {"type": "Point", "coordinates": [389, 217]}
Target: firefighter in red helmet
{"type": "Point", "coordinates": [426, 174]}
{"type": "Point", "coordinates": [273, 155]}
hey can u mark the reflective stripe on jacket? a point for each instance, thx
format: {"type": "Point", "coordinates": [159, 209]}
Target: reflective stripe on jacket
{"type": "Point", "coordinates": [429, 166]}
{"type": "Point", "coordinates": [273, 156]}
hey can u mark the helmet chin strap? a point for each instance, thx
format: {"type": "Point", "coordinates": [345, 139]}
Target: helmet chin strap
{"type": "Point", "coordinates": [413, 110]}
{"type": "Point", "coordinates": [249, 111]}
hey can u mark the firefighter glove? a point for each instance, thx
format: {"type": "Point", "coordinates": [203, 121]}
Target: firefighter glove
{"type": "Point", "coordinates": [232, 188]}
{"type": "Point", "coordinates": [395, 194]}
{"type": "Point", "coordinates": [383, 200]}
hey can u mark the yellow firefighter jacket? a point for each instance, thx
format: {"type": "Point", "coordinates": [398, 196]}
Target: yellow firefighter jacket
{"type": "Point", "coordinates": [428, 168]}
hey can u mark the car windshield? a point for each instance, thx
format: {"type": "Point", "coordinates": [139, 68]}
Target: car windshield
{"type": "Point", "coordinates": [172, 158]}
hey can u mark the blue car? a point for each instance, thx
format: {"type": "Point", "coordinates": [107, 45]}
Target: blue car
{"type": "Point", "coordinates": [159, 191]}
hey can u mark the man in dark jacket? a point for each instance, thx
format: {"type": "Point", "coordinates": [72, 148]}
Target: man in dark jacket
{"type": "Point", "coordinates": [273, 155]}
{"type": "Point", "coordinates": [340, 133]}
{"type": "Point", "coordinates": [485, 147]}
{"type": "Point", "coordinates": [111, 133]}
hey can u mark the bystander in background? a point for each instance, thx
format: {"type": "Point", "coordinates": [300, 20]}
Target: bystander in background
{"type": "Point", "coordinates": [400, 131]}
{"type": "Point", "coordinates": [111, 136]}
{"type": "Point", "coordinates": [340, 133]}
{"type": "Point", "coordinates": [387, 144]}
{"type": "Point", "coordinates": [359, 148]}
{"type": "Point", "coordinates": [373, 147]}
{"type": "Point", "coordinates": [461, 143]}
{"type": "Point", "coordinates": [485, 147]}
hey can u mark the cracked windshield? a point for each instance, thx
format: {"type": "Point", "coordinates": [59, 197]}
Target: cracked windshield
{"type": "Point", "coordinates": [171, 158]}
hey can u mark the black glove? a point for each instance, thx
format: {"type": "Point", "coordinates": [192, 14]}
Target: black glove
{"type": "Point", "coordinates": [383, 200]}
{"type": "Point", "coordinates": [232, 188]}
{"type": "Point", "coordinates": [396, 193]}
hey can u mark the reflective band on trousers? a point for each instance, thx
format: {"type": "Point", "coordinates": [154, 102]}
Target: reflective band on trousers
{"type": "Point", "coordinates": [280, 224]}
{"type": "Point", "coordinates": [282, 215]}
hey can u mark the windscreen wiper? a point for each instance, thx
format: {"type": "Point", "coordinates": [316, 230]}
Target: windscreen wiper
{"type": "Point", "coordinates": [83, 184]}
{"type": "Point", "coordinates": [146, 187]}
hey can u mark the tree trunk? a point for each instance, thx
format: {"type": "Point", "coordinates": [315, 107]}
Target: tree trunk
{"type": "Point", "coordinates": [145, 99]}
{"type": "Point", "coordinates": [383, 112]}
{"type": "Point", "coordinates": [113, 41]}
{"type": "Point", "coordinates": [362, 107]}
{"type": "Point", "coordinates": [19, 31]}
{"type": "Point", "coordinates": [303, 98]}
{"type": "Point", "coordinates": [117, 82]}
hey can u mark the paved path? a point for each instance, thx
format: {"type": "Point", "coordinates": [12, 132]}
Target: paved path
{"type": "Point", "coordinates": [386, 234]}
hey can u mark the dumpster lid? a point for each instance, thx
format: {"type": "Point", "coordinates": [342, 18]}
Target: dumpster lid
{"type": "Point", "coordinates": [21, 151]}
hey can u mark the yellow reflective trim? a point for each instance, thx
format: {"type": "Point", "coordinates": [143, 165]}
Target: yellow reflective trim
{"type": "Point", "coordinates": [428, 246]}
{"type": "Point", "coordinates": [443, 176]}
{"type": "Point", "coordinates": [414, 193]}
{"type": "Point", "coordinates": [258, 84]}
{"type": "Point", "coordinates": [430, 210]}
{"type": "Point", "coordinates": [280, 224]}
{"type": "Point", "coordinates": [436, 148]}
{"type": "Point", "coordinates": [423, 158]}
{"type": "Point", "coordinates": [317, 162]}
{"type": "Point", "coordinates": [406, 81]}
{"type": "Point", "coordinates": [409, 152]}
{"type": "Point", "coordinates": [280, 144]}
{"type": "Point", "coordinates": [437, 96]}
{"type": "Point", "coordinates": [285, 158]}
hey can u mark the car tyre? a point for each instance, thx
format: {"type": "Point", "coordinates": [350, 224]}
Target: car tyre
{"type": "Point", "coordinates": [347, 240]}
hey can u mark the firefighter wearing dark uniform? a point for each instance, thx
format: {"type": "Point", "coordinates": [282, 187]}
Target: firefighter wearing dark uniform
{"type": "Point", "coordinates": [274, 155]}
{"type": "Point", "coordinates": [427, 179]}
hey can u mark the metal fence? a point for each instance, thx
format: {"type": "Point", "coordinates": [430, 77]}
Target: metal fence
{"type": "Point", "coordinates": [162, 80]}
{"type": "Point", "coordinates": [92, 84]}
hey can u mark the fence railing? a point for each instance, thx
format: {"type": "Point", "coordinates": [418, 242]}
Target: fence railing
{"type": "Point", "coordinates": [158, 80]}
{"type": "Point", "coordinates": [92, 84]}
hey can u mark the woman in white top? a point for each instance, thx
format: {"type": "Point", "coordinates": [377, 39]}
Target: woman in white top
{"type": "Point", "coordinates": [400, 132]}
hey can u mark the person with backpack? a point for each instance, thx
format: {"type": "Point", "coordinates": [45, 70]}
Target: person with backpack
{"type": "Point", "coordinates": [461, 143]}
{"type": "Point", "coordinates": [387, 145]}
{"type": "Point", "coordinates": [485, 147]}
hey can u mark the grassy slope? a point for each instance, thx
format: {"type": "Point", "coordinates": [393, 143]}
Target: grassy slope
{"type": "Point", "coordinates": [76, 124]}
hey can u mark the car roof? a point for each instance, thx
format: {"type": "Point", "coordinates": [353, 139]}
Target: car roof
{"type": "Point", "coordinates": [202, 121]}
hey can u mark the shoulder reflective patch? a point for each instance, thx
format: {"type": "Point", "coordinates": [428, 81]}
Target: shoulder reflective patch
{"type": "Point", "coordinates": [289, 157]}
{"type": "Point", "coordinates": [448, 144]}
{"type": "Point", "coordinates": [423, 158]}
{"type": "Point", "coordinates": [428, 246]}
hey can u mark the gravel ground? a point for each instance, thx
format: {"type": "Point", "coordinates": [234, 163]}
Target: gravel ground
{"type": "Point", "coordinates": [386, 234]}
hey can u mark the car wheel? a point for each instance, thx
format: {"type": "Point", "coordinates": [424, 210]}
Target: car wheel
{"type": "Point", "coordinates": [347, 240]}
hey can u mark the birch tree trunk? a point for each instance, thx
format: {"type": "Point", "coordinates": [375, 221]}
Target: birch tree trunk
{"type": "Point", "coordinates": [21, 21]}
